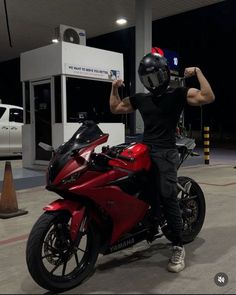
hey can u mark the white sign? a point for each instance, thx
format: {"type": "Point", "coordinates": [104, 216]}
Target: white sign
{"type": "Point", "coordinates": [91, 72]}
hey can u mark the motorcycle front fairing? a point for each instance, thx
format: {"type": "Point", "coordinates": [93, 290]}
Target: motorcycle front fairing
{"type": "Point", "coordinates": [69, 160]}
{"type": "Point", "coordinates": [72, 155]}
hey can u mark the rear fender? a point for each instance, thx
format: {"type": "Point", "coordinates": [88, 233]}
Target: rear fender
{"type": "Point", "coordinates": [76, 210]}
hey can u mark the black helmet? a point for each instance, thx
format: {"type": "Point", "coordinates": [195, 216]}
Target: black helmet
{"type": "Point", "coordinates": [154, 73]}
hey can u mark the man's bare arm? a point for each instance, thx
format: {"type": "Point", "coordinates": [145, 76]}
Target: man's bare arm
{"type": "Point", "coordinates": [118, 106]}
{"type": "Point", "coordinates": [204, 95]}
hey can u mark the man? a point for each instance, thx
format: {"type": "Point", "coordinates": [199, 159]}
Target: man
{"type": "Point", "coordinates": [160, 110]}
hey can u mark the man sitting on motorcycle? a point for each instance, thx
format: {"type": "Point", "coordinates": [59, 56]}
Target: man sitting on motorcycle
{"type": "Point", "coordinates": [160, 109]}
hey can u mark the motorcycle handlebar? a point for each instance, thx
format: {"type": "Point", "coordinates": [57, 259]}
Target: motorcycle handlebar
{"type": "Point", "coordinates": [125, 158]}
{"type": "Point", "coordinates": [116, 155]}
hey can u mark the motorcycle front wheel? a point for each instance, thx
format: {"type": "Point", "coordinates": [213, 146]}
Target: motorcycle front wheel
{"type": "Point", "coordinates": [53, 261]}
{"type": "Point", "coordinates": [193, 207]}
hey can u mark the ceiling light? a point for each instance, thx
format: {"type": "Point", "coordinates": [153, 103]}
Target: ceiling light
{"type": "Point", "coordinates": [55, 40]}
{"type": "Point", "coordinates": [121, 21]}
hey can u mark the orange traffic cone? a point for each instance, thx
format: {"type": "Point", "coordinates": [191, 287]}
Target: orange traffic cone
{"type": "Point", "coordinates": [8, 201]}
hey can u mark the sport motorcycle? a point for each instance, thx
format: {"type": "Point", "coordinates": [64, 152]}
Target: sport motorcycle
{"type": "Point", "coordinates": [104, 206]}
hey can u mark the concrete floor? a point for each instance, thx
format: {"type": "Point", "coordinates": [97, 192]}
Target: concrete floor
{"type": "Point", "coordinates": [140, 269]}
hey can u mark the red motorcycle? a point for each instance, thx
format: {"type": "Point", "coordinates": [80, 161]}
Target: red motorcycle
{"type": "Point", "coordinates": [104, 207]}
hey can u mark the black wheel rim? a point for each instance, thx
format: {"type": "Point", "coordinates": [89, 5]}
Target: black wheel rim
{"type": "Point", "coordinates": [190, 203]}
{"type": "Point", "coordinates": [61, 260]}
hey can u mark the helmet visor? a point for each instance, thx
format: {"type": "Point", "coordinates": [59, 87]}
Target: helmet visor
{"type": "Point", "coordinates": [154, 80]}
{"type": "Point", "coordinates": [150, 80]}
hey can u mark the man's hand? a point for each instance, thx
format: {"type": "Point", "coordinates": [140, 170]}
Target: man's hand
{"type": "Point", "coordinates": [190, 72]}
{"type": "Point", "coordinates": [117, 83]}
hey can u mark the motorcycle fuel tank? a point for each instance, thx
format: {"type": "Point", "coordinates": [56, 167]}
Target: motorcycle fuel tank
{"type": "Point", "coordinates": [139, 158]}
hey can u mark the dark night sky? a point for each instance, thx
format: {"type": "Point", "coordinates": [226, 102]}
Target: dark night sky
{"type": "Point", "coordinates": [203, 38]}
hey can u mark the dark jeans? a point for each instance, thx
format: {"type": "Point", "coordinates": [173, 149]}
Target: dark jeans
{"type": "Point", "coordinates": [165, 182]}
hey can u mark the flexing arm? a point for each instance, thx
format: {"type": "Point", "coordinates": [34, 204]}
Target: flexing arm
{"type": "Point", "coordinates": [118, 106]}
{"type": "Point", "coordinates": [196, 97]}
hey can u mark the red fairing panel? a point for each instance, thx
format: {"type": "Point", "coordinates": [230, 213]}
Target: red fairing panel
{"type": "Point", "coordinates": [93, 179]}
{"type": "Point", "coordinates": [125, 210]}
{"type": "Point", "coordinates": [77, 218]}
{"type": "Point", "coordinates": [62, 204]}
{"type": "Point", "coordinates": [139, 152]}
{"type": "Point", "coordinates": [74, 165]}
{"type": "Point", "coordinates": [79, 162]}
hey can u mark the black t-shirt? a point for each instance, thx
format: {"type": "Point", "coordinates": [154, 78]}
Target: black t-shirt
{"type": "Point", "coordinates": [160, 115]}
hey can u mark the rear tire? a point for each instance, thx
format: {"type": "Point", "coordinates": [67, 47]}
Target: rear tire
{"type": "Point", "coordinates": [50, 247]}
{"type": "Point", "coordinates": [192, 224]}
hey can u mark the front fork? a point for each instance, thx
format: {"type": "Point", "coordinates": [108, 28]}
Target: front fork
{"type": "Point", "coordinates": [185, 195]}
{"type": "Point", "coordinates": [186, 189]}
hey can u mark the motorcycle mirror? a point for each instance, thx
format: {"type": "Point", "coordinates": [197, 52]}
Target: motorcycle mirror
{"type": "Point", "coordinates": [46, 147]}
{"type": "Point", "coordinates": [82, 116]}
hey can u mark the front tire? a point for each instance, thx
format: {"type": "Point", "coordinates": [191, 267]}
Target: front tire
{"type": "Point", "coordinates": [193, 201]}
{"type": "Point", "coordinates": [52, 260]}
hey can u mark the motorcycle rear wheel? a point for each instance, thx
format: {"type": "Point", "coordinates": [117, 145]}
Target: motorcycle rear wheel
{"type": "Point", "coordinates": [196, 202]}
{"type": "Point", "coordinates": [52, 260]}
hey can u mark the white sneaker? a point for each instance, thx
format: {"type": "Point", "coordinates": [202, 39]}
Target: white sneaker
{"type": "Point", "coordinates": [176, 262]}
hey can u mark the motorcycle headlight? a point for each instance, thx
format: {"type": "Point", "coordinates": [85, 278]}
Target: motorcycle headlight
{"type": "Point", "coordinates": [70, 179]}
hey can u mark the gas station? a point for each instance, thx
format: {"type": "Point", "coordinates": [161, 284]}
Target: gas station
{"type": "Point", "coordinates": [62, 81]}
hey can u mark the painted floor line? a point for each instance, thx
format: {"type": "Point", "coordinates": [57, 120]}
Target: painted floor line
{"type": "Point", "coordinates": [217, 184]}
{"type": "Point", "coordinates": [13, 240]}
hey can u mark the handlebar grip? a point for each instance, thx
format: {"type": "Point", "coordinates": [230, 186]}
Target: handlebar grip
{"type": "Point", "coordinates": [117, 156]}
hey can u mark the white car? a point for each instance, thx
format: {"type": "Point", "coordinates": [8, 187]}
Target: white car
{"type": "Point", "coordinates": [11, 121]}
